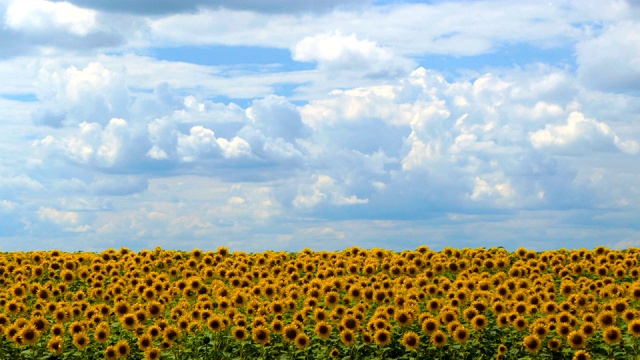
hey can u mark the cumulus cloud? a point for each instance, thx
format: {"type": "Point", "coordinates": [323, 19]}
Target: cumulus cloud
{"type": "Point", "coordinates": [337, 53]}
{"type": "Point", "coordinates": [73, 96]}
{"type": "Point", "coordinates": [47, 26]}
{"type": "Point", "coordinates": [93, 145]}
{"type": "Point", "coordinates": [580, 135]}
{"type": "Point", "coordinates": [324, 189]}
{"type": "Point", "coordinates": [40, 16]}
{"type": "Point", "coordinates": [611, 61]}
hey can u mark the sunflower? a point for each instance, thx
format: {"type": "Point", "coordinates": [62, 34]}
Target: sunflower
{"type": "Point", "coordinates": [145, 341]}
{"type": "Point", "coordinates": [261, 335]}
{"type": "Point", "coordinates": [29, 334]}
{"type": "Point", "coordinates": [634, 328]}
{"type": "Point", "coordinates": [577, 339]}
{"type": "Point", "coordinates": [382, 337]}
{"type": "Point", "coordinates": [629, 315]}
{"type": "Point", "coordinates": [434, 305]}
{"type": "Point", "coordinates": [334, 353]}
{"type": "Point", "coordinates": [612, 335]}
{"type": "Point", "coordinates": [429, 326]}
{"type": "Point", "coordinates": [349, 322]}
{"type": "Point", "coordinates": [520, 323]}
{"type": "Point", "coordinates": [277, 307]}
{"type": "Point", "coordinates": [110, 353]}
{"type": "Point", "coordinates": [439, 338]}
{"type": "Point", "coordinates": [129, 321]}
{"type": "Point", "coordinates": [367, 338]}
{"type": "Point", "coordinates": [588, 329]}
{"type": "Point", "coordinates": [404, 317]}
{"type": "Point", "coordinates": [171, 333]}
{"type": "Point", "coordinates": [122, 348]}
{"type": "Point", "coordinates": [57, 330]}
{"type": "Point", "coordinates": [479, 322]}
{"type": "Point", "coordinates": [606, 319]}
{"type": "Point", "coordinates": [532, 343]}
{"type": "Point", "coordinates": [81, 340]}
{"type": "Point", "coordinates": [323, 330]}
{"type": "Point", "coordinates": [411, 340]}
{"type": "Point", "coordinates": [554, 344]}
{"type": "Point", "coordinates": [502, 349]}
{"type": "Point", "coordinates": [152, 353]}
{"type": "Point", "coordinates": [302, 340]}
{"type": "Point", "coordinates": [154, 309]}
{"type": "Point", "coordinates": [39, 321]}
{"type": "Point", "coordinates": [550, 307]}
{"type": "Point", "coordinates": [503, 320]}
{"type": "Point", "coordinates": [290, 332]}
{"type": "Point", "coordinates": [240, 333]}
{"type": "Point", "coordinates": [55, 345]}
{"type": "Point", "coordinates": [347, 337]}
{"type": "Point", "coordinates": [461, 334]}
{"type": "Point", "coordinates": [563, 329]}
{"type": "Point", "coordinates": [215, 323]}
{"type": "Point", "coordinates": [540, 330]}
{"type": "Point", "coordinates": [154, 331]}
{"type": "Point", "coordinates": [121, 308]}
{"type": "Point", "coordinates": [581, 355]}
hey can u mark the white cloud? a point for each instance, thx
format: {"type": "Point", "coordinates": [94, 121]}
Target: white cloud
{"type": "Point", "coordinates": [94, 94]}
{"type": "Point", "coordinates": [611, 61]}
{"type": "Point", "coordinates": [58, 217]}
{"type": "Point", "coordinates": [581, 135]}
{"type": "Point", "coordinates": [324, 189]}
{"type": "Point", "coordinates": [339, 53]}
{"type": "Point", "coordinates": [92, 144]}
{"type": "Point", "coordinates": [40, 16]}
{"type": "Point", "coordinates": [200, 143]}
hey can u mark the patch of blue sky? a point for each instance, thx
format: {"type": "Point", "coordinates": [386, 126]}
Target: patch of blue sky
{"type": "Point", "coordinates": [269, 59]}
{"type": "Point", "coordinates": [20, 97]}
{"type": "Point", "coordinates": [519, 54]}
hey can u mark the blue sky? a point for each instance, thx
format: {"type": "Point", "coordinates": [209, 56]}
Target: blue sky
{"type": "Point", "coordinates": [295, 124]}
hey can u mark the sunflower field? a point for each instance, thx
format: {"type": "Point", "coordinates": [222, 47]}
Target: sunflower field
{"type": "Point", "coordinates": [352, 304]}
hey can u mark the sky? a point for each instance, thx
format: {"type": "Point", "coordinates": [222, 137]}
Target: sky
{"type": "Point", "coordinates": [284, 125]}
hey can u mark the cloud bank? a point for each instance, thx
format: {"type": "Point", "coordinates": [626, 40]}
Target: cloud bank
{"type": "Point", "coordinates": [376, 128]}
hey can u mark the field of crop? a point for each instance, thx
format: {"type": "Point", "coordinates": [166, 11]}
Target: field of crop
{"type": "Point", "coordinates": [353, 304]}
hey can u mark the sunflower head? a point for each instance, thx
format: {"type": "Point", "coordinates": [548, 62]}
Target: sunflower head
{"type": "Point", "coordinates": [290, 332]}
{"type": "Point", "coordinates": [554, 344]}
{"type": "Point", "coordinates": [261, 335]}
{"type": "Point", "coordinates": [122, 348]}
{"type": "Point", "coordinates": [581, 355]}
{"type": "Point", "coordinates": [439, 338]}
{"type": "Point", "coordinates": [577, 339]}
{"type": "Point", "coordinates": [239, 333]}
{"type": "Point", "coordinates": [532, 343]}
{"type": "Point", "coordinates": [302, 341]}
{"type": "Point", "coordinates": [612, 335]}
{"type": "Point", "coordinates": [411, 340]}
{"type": "Point", "coordinates": [461, 334]}
{"type": "Point", "coordinates": [29, 334]}
{"type": "Point", "coordinates": [382, 337]}
{"type": "Point", "coordinates": [479, 322]}
{"type": "Point", "coordinates": [55, 345]}
{"type": "Point", "coordinates": [81, 340]}
{"type": "Point", "coordinates": [323, 330]}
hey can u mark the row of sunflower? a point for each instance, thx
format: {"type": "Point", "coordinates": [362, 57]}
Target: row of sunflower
{"type": "Point", "coordinates": [357, 303]}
